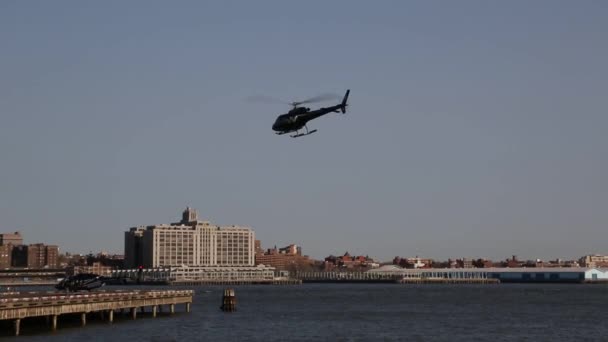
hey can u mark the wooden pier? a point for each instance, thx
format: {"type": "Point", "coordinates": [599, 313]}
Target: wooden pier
{"type": "Point", "coordinates": [20, 305]}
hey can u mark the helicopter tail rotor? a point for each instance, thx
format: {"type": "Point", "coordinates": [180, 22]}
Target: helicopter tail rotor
{"type": "Point", "coordinates": [344, 104]}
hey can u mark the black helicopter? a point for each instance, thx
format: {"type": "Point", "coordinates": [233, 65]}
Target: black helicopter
{"type": "Point", "coordinates": [79, 282]}
{"type": "Point", "coordinates": [297, 117]}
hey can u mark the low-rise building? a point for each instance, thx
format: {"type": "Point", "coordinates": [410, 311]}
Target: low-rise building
{"type": "Point", "coordinates": [593, 261]}
{"type": "Point", "coordinates": [288, 258]}
{"type": "Point", "coordinates": [95, 268]}
{"type": "Point", "coordinates": [11, 239]}
{"type": "Point", "coordinates": [260, 273]}
{"type": "Point", "coordinates": [349, 262]}
{"type": "Point", "coordinates": [414, 262]}
{"type": "Point", "coordinates": [504, 274]}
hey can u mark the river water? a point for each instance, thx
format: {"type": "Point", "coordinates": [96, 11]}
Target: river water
{"type": "Point", "coordinates": [362, 312]}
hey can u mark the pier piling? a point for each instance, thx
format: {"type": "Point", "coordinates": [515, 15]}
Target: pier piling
{"type": "Point", "coordinates": [228, 300]}
{"type": "Point", "coordinates": [17, 326]}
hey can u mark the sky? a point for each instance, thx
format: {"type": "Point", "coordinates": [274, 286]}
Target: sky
{"type": "Point", "coordinates": [475, 128]}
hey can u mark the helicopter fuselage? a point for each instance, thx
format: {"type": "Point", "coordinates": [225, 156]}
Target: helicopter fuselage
{"type": "Point", "coordinates": [298, 117]}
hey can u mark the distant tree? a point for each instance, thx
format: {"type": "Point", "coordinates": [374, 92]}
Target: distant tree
{"type": "Point", "coordinates": [440, 264]}
{"type": "Point", "coordinates": [479, 263]}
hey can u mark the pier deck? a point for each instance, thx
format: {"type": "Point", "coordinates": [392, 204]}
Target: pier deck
{"type": "Point", "coordinates": [19, 305]}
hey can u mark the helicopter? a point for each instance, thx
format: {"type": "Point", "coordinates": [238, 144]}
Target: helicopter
{"type": "Point", "coordinates": [80, 282]}
{"type": "Point", "coordinates": [298, 117]}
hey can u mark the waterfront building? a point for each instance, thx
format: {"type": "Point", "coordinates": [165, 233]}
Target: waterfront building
{"type": "Point", "coordinates": [415, 262]}
{"type": "Point", "coordinates": [35, 256]}
{"type": "Point", "coordinates": [11, 239]}
{"type": "Point", "coordinates": [6, 256]}
{"type": "Point", "coordinates": [190, 242]}
{"type": "Point", "coordinates": [594, 261]}
{"type": "Point", "coordinates": [347, 261]}
{"type": "Point", "coordinates": [96, 268]}
{"type": "Point", "coordinates": [133, 247]}
{"type": "Point", "coordinates": [288, 258]}
{"type": "Point", "coordinates": [504, 274]}
{"type": "Point", "coordinates": [185, 273]}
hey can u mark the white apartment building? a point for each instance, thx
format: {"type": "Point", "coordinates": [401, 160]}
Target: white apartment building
{"type": "Point", "coordinates": [189, 243]}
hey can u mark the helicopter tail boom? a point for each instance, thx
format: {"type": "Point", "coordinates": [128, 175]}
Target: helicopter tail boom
{"type": "Point", "coordinates": [343, 105]}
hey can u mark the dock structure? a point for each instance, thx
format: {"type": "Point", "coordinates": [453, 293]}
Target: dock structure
{"type": "Point", "coordinates": [16, 306]}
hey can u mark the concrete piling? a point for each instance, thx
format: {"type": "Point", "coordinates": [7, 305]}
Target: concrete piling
{"type": "Point", "coordinates": [17, 326]}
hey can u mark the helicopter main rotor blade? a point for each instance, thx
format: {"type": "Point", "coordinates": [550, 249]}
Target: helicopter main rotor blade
{"type": "Point", "coordinates": [319, 98]}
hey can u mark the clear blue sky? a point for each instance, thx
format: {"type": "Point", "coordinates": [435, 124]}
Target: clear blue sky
{"type": "Point", "coordinates": [476, 128]}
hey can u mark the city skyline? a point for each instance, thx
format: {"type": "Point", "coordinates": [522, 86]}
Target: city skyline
{"type": "Point", "coordinates": [473, 129]}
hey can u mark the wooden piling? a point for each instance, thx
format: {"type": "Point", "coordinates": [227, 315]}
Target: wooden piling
{"type": "Point", "coordinates": [228, 301]}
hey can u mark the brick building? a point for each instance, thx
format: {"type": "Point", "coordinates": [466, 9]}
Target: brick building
{"type": "Point", "coordinates": [349, 262]}
{"type": "Point", "coordinates": [35, 256]}
{"type": "Point", "coordinates": [288, 258]}
{"type": "Point", "coordinates": [6, 256]}
{"type": "Point", "coordinates": [11, 239]}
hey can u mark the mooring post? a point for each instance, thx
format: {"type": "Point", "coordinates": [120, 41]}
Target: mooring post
{"type": "Point", "coordinates": [54, 323]}
{"type": "Point", "coordinates": [187, 307]}
{"type": "Point", "coordinates": [17, 326]}
{"type": "Point", "coordinates": [134, 313]}
{"type": "Point", "coordinates": [102, 314]}
{"type": "Point", "coordinates": [83, 318]}
{"type": "Point", "coordinates": [111, 316]}
{"type": "Point", "coordinates": [172, 308]}
{"type": "Point", "coordinates": [143, 309]}
{"type": "Point", "coordinates": [154, 311]}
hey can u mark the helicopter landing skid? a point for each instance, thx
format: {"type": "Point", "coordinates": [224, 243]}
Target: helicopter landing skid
{"type": "Point", "coordinates": [303, 134]}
